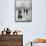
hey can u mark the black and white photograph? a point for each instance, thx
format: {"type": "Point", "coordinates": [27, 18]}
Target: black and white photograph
{"type": "Point", "coordinates": [23, 11]}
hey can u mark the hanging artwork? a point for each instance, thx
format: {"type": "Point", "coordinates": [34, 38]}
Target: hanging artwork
{"type": "Point", "coordinates": [23, 11]}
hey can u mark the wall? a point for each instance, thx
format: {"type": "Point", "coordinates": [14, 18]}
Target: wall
{"type": "Point", "coordinates": [31, 30]}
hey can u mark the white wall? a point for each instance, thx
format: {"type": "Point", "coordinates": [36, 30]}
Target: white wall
{"type": "Point", "coordinates": [39, 18]}
{"type": "Point", "coordinates": [31, 30]}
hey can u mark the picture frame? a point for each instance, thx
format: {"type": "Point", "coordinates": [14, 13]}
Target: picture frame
{"type": "Point", "coordinates": [23, 11]}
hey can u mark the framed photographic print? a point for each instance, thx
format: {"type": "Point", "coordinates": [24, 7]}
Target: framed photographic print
{"type": "Point", "coordinates": [23, 11]}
